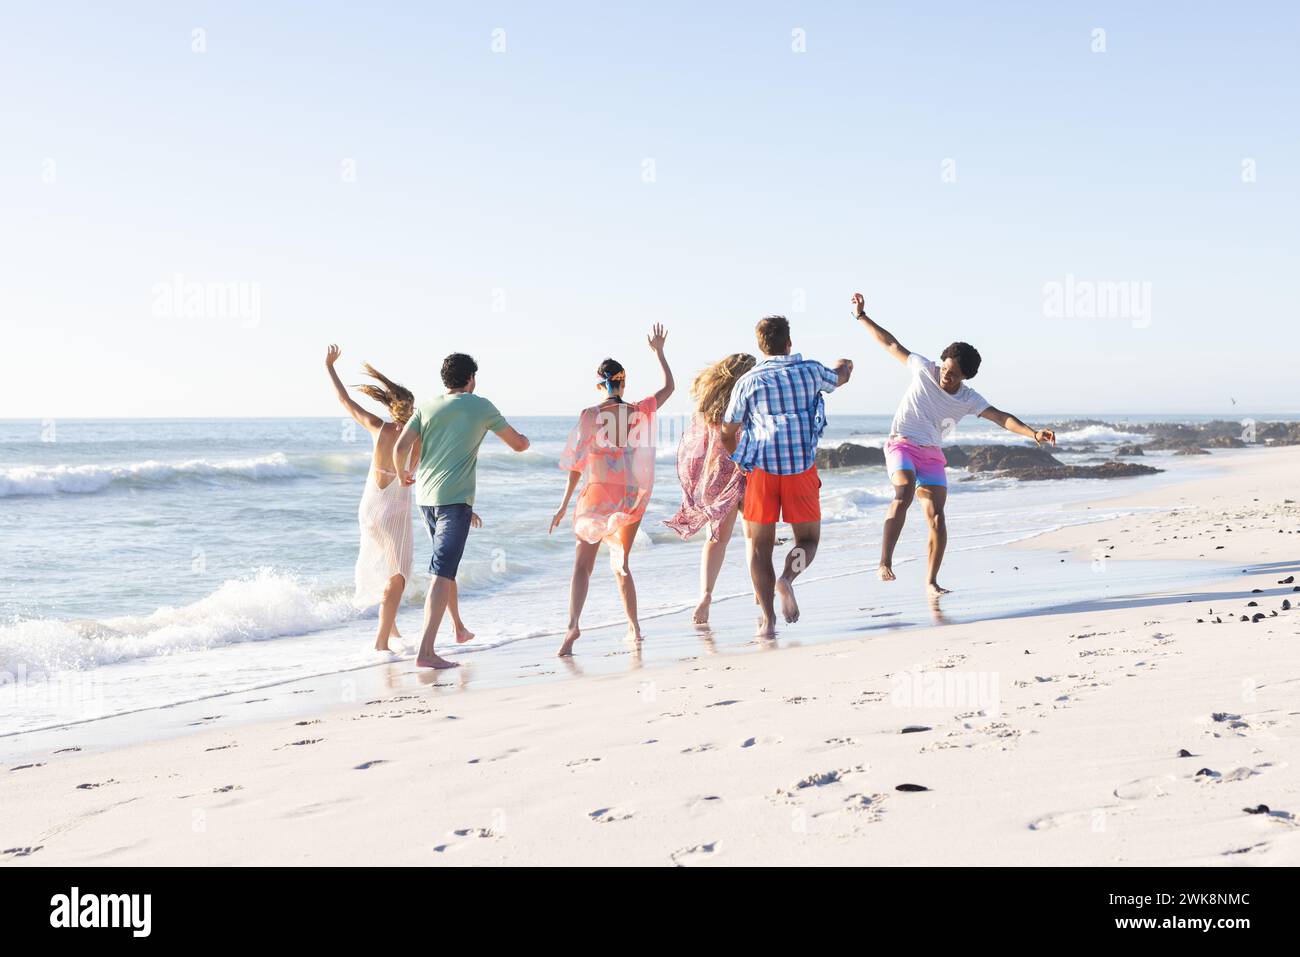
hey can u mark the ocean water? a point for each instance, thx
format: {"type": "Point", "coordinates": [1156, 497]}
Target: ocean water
{"type": "Point", "coordinates": [168, 560]}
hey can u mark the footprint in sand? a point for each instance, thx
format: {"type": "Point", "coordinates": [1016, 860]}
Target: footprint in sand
{"type": "Point", "coordinates": [765, 740]}
{"type": "Point", "coordinates": [498, 757]}
{"type": "Point", "coordinates": [369, 764]}
{"type": "Point", "coordinates": [699, 748]}
{"type": "Point", "coordinates": [704, 803]}
{"type": "Point", "coordinates": [608, 815]}
{"type": "Point", "coordinates": [820, 779]}
{"type": "Point", "coordinates": [1144, 789]}
{"type": "Point", "coordinates": [696, 855]}
{"type": "Point", "coordinates": [474, 832]}
{"type": "Point", "coordinates": [21, 851]}
{"type": "Point", "coordinates": [869, 806]}
{"type": "Point", "coordinates": [723, 704]}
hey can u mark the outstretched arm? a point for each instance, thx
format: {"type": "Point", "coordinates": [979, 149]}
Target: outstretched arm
{"type": "Point", "coordinates": [656, 339]}
{"type": "Point", "coordinates": [1013, 424]}
{"type": "Point", "coordinates": [369, 420]}
{"type": "Point", "coordinates": [880, 334]}
{"type": "Point", "coordinates": [513, 438]}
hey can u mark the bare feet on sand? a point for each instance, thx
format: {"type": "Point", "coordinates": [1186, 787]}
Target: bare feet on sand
{"type": "Point", "coordinates": [702, 610]}
{"type": "Point", "coordinates": [436, 661]}
{"type": "Point", "coordinates": [934, 588]}
{"type": "Point", "coordinates": [463, 635]}
{"type": "Point", "coordinates": [766, 628]}
{"type": "Point", "coordinates": [886, 574]}
{"type": "Point", "coordinates": [633, 635]}
{"type": "Point", "coordinates": [570, 636]}
{"type": "Point", "coordinates": [789, 607]}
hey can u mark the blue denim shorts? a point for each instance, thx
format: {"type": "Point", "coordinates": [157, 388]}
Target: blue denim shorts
{"type": "Point", "coordinates": [448, 529]}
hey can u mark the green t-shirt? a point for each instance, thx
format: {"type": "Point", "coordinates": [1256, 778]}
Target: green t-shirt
{"type": "Point", "coordinates": [452, 428]}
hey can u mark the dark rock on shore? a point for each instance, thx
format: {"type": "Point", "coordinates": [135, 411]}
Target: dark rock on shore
{"type": "Point", "coordinates": [1192, 450]}
{"type": "Point", "coordinates": [1129, 450]}
{"type": "Point", "coordinates": [1104, 471]}
{"type": "Point", "coordinates": [957, 456]}
{"type": "Point", "coordinates": [998, 458]}
{"type": "Point", "coordinates": [849, 455]}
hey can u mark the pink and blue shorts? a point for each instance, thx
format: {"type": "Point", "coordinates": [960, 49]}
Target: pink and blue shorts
{"type": "Point", "coordinates": [926, 462]}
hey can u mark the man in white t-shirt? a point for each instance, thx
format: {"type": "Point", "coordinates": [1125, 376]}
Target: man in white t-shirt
{"type": "Point", "coordinates": [936, 400]}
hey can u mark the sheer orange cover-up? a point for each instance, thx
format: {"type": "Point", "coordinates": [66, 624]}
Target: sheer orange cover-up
{"type": "Point", "coordinates": [613, 446]}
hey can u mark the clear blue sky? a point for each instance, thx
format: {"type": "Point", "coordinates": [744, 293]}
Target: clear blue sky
{"type": "Point", "coordinates": [522, 172]}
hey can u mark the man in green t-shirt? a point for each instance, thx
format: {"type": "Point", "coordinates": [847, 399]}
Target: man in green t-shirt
{"type": "Point", "coordinates": [448, 431]}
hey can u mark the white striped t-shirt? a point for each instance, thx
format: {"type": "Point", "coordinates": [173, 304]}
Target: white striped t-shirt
{"type": "Point", "coordinates": [928, 413]}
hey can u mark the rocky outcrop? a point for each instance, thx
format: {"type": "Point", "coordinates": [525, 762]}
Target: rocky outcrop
{"type": "Point", "coordinates": [849, 455]}
{"type": "Point", "coordinates": [999, 458]}
{"type": "Point", "coordinates": [957, 456]}
{"type": "Point", "coordinates": [1104, 471]}
{"type": "Point", "coordinates": [1129, 450]}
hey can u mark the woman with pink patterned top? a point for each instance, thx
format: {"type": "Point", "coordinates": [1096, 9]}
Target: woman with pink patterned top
{"type": "Point", "coordinates": [611, 454]}
{"type": "Point", "coordinates": [713, 486]}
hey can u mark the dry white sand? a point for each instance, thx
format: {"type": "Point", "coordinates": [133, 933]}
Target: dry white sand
{"type": "Point", "coordinates": [1051, 739]}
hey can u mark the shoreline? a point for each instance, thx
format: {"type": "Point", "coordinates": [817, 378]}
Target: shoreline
{"type": "Point", "coordinates": [748, 757]}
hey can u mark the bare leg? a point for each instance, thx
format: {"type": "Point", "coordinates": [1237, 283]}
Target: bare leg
{"type": "Point", "coordinates": [388, 612]}
{"type": "Point", "coordinates": [904, 489]}
{"type": "Point", "coordinates": [584, 560]}
{"type": "Point", "coordinates": [463, 634]}
{"type": "Point", "coordinates": [620, 560]}
{"type": "Point", "coordinates": [711, 564]}
{"type": "Point", "coordinates": [762, 539]}
{"type": "Point", "coordinates": [435, 606]}
{"type": "Point", "coordinates": [807, 535]}
{"type": "Point", "coordinates": [935, 497]}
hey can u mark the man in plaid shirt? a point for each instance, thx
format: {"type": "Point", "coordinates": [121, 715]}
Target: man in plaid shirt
{"type": "Point", "coordinates": [771, 427]}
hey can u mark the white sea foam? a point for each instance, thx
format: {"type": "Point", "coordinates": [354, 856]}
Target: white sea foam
{"type": "Point", "coordinates": [88, 479]}
{"type": "Point", "coordinates": [265, 606]}
{"type": "Point", "coordinates": [1099, 435]}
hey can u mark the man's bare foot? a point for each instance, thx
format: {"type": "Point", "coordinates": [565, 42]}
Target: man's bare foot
{"type": "Point", "coordinates": [381, 644]}
{"type": "Point", "coordinates": [766, 628]}
{"type": "Point", "coordinates": [789, 607]}
{"type": "Point", "coordinates": [934, 588]}
{"type": "Point", "coordinates": [435, 661]}
{"type": "Point", "coordinates": [463, 635]}
{"type": "Point", "coordinates": [633, 635]}
{"type": "Point", "coordinates": [702, 610]}
{"type": "Point", "coordinates": [886, 574]}
{"type": "Point", "coordinates": [570, 636]}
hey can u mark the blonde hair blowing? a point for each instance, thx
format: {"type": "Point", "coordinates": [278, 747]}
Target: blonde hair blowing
{"type": "Point", "coordinates": [398, 398]}
{"type": "Point", "coordinates": [711, 389]}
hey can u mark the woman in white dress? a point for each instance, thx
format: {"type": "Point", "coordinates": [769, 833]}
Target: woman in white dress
{"type": "Point", "coordinates": [384, 561]}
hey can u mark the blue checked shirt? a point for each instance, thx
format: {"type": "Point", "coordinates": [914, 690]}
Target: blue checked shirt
{"type": "Point", "coordinates": [782, 414]}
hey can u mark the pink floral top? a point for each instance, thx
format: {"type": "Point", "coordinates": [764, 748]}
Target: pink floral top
{"type": "Point", "coordinates": [712, 484]}
{"type": "Point", "coordinates": [613, 446]}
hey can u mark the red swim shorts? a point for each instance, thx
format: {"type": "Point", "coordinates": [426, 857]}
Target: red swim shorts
{"type": "Point", "coordinates": [793, 498]}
